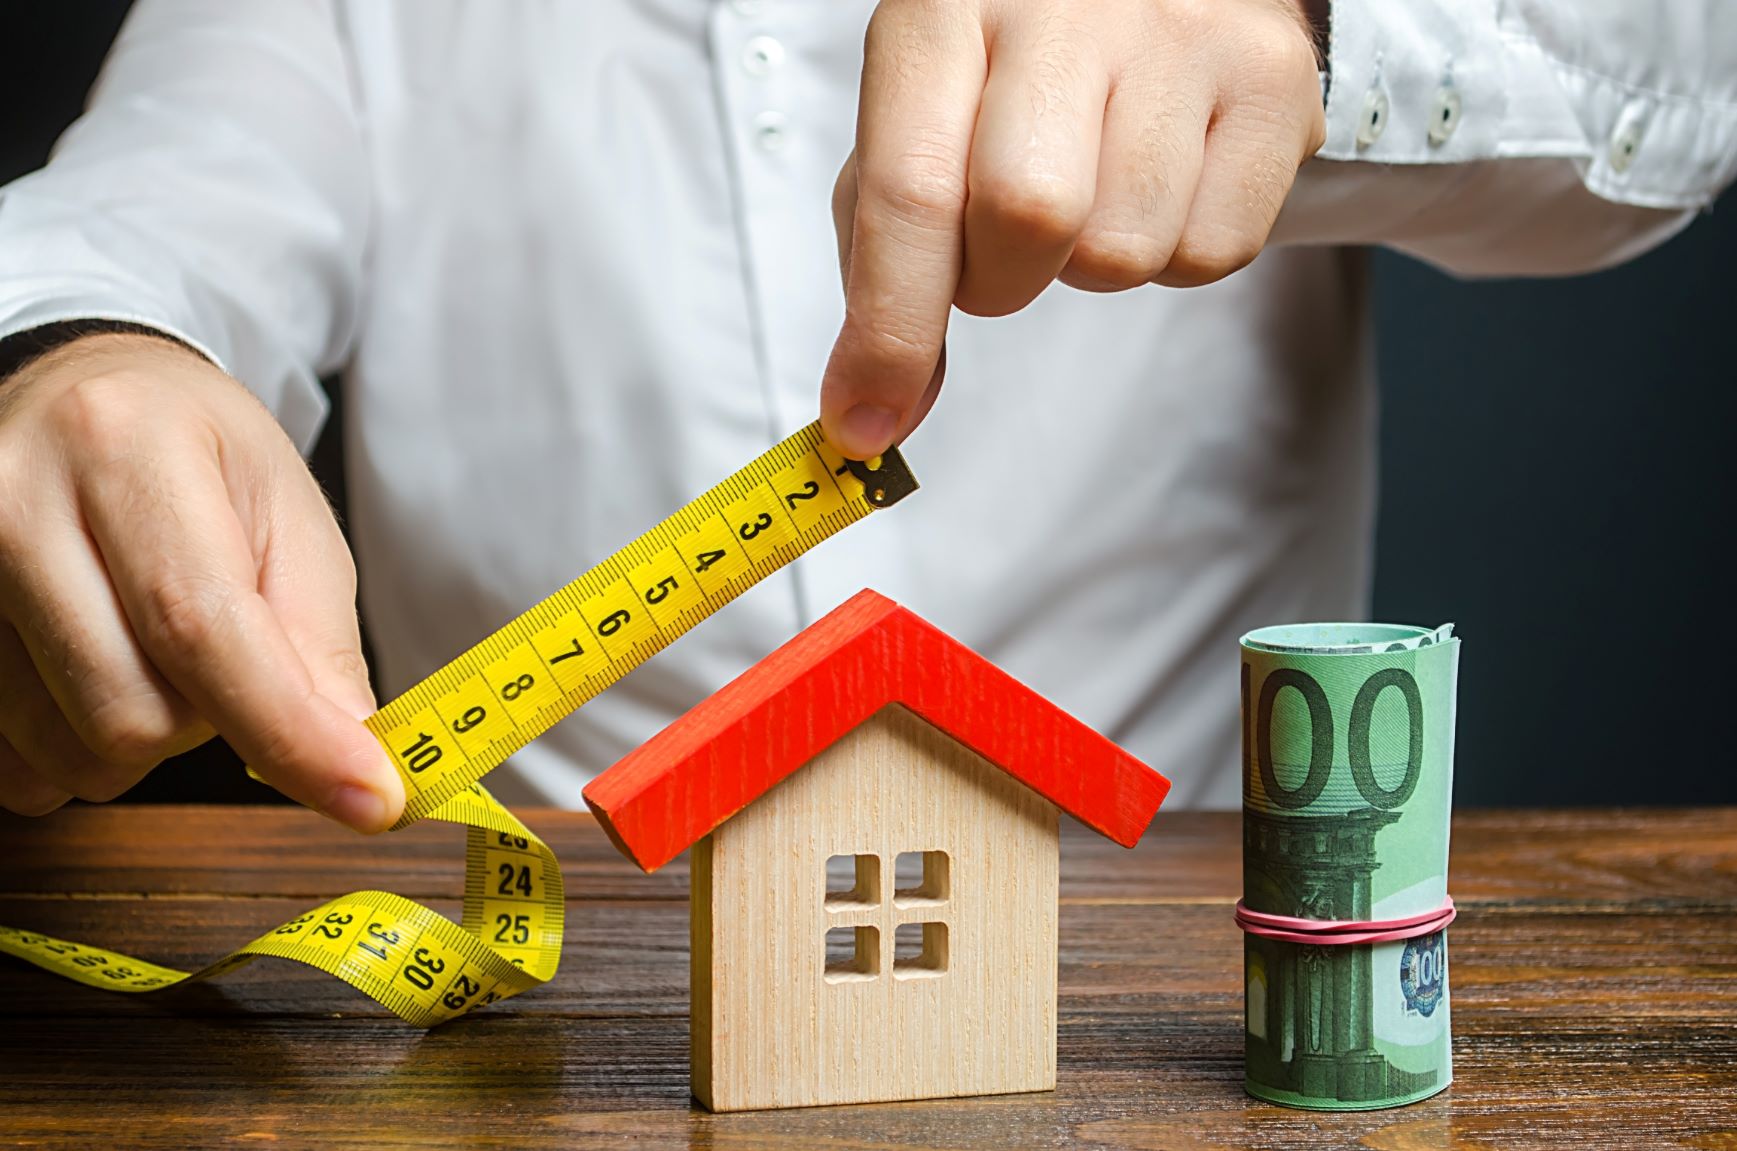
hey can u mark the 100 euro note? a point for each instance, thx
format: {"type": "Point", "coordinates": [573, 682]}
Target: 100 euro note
{"type": "Point", "coordinates": [1348, 733]}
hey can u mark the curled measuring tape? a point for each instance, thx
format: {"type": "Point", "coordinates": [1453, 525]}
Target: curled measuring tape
{"type": "Point", "coordinates": [463, 721]}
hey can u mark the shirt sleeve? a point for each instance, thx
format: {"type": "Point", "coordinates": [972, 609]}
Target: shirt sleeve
{"type": "Point", "coordinates": [215, 189]}
{"type": "Point", "coordinates": [1520, 137]}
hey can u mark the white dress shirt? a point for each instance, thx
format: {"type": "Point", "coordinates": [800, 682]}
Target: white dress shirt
{"type": "Point", "coordinates": [575, 261]}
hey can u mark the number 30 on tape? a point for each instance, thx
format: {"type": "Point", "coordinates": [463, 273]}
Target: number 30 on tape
{"type": "Point", "coordinates": [460, 723]}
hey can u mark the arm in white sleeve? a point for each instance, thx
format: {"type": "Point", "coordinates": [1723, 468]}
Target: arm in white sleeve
{"type": "Point", "coordinates": [215, 189]}
{"type": "Point", "coordinates": [1520, 137]}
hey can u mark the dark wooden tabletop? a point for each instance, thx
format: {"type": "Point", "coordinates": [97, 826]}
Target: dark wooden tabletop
{"type": "Point", "coordinates": [1594, 983]}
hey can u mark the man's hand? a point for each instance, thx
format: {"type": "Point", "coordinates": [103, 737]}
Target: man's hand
{"type": "Point", "coordinates": [1003, 144]}
{"type": "Point", "coordinates": [169, 567]}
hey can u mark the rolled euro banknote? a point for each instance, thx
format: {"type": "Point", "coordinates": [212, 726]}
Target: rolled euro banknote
{"type": "Point", "coordinates": [1347, 776]}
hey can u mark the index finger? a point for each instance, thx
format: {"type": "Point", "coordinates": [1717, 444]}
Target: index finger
{"type": "Point", "coordinates": [924, 66]}
{"type": "Point", "coordinates": [187, 577]}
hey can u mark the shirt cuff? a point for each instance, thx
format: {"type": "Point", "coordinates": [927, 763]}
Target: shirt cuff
{"type": "Point", "coordinates": [1451, 82]}
{"type": "Point", "coordinates": [298, 403]}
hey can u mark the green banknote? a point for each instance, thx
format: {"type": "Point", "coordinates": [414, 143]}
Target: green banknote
{"type": "Point", "coordinates": [1348, 737]}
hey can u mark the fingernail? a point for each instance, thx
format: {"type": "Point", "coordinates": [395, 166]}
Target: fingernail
{"type": "Point", "coordinates": [868, 430]}
{"type": "Point", "coordinates": [357, 702]}
{"type": "Point", "coordinates": [358, 807]}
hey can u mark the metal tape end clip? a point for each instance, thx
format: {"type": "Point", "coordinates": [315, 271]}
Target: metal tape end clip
{"type": "Point", "coordinates": [886, 479]}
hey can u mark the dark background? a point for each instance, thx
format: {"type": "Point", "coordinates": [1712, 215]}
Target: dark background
{"type": "Point", "coordinates": [1557, 478]}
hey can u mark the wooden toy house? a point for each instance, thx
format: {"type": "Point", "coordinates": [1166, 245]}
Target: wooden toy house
{"type": "Point", "coordinates": [823, 971]}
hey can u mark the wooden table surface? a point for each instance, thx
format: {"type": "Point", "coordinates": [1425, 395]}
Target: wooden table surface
{"type": "Point", "coordinates": [1594, 980]}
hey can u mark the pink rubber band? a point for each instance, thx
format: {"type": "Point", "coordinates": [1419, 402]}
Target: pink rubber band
{"type": "Point", "coordinates": [1343, 932]}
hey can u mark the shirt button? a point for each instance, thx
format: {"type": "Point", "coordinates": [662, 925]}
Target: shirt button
{"type": "Point", "coordinates": [1374, 121]}
{"type": "Point", "coordinates": [1624, 143]}
{"type": "Point", "coordinates": [762, 55]}
{"type": "Point", "coordinates": [1447, 116]}
{"type": "Point", "coordinates": [771, 131]}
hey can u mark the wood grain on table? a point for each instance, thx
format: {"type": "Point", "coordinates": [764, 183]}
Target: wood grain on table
{"type": "Point", "coordinates": [1594, 985]}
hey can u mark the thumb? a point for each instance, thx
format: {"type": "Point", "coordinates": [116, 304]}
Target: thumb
{"type": "Point", "coordinates": [308, 580]}
{"type": "Point", "coordinates": [185, 568]}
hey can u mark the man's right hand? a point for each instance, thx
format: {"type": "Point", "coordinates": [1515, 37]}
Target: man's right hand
{"type": "Point", "coordinates": [169, 568]}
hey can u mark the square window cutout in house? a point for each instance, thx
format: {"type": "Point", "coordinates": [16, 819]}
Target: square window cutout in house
{"type": "Point", "coordinates": [853, 881]}
{"type": "Point", "coordinates": [919, 950]}
{"type": "Point", "coordinates": [853, 954]}
{"type": "Point", "coordinates": [920, 877]}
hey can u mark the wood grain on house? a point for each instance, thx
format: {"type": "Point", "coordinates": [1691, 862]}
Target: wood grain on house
{"type": "Point", "coordinates": [969, 1009]}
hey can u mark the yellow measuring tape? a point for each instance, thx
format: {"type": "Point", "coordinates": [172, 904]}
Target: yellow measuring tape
{"type": "Point", "coordinates": [463, 721]}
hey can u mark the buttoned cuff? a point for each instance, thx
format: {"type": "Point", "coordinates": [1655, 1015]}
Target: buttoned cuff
{"type": "Point", "coordinates": [1452, 82]}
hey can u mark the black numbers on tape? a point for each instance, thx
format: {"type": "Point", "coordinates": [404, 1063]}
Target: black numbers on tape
{"type": "Point", "coordinates": [421, 755]}
{"type": "Point", "coordinates": [517, 927]}
{"type": "Point", "coordinates": [422, 969]}
{"type": "Point", "coordinates": [514, 880]}
{"type": "Point", "coordinates": [660, 591]}
{"type": "Point", "coordinates": [99, 963]}
{"type": "Point", "coordinates": [1358, 736]}
{"type": "Point", "coordinates": [707, 559]}
{"type": "Point", "coordinates": [808, 492]}
{"type": "Point", "coordinates": [760, 524]}
{"type": "Point", "coordinates": [381, 936]}
{"type": "Point", "coordinates": [463, 989]}
{"type": "Point", "coordinates": [614, 622]}
{"type": "Point", "coordinates": [518, 686]}
{"type": "Point", "coordinates": [295, 925]}
{"type": "Point", "coordinates": [332, 927]}
{"type": "Point", "coordinates": [574, 654]}
{"type": "Point", "coordinates": [517, 841]}
{"type": "Point", "coordinates": [471, 717]}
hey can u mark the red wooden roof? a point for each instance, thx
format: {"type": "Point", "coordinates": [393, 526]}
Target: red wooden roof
{"type": "Point", "coordinates": [798, 701]}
